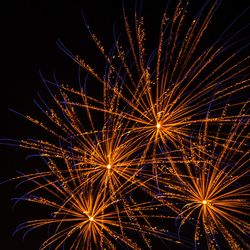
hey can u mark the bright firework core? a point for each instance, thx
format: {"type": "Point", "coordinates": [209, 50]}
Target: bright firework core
{"type": "Point", "coordinates": [158, 125]}
{"type": "Point", "coordinates": [204, 202]}
{"type": "Point", "coordinates": [108, 166]}
{"type": "Point", "coordinates": [91, 218]}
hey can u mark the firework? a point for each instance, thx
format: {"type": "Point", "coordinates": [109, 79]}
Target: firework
{"type": "Point", "coordinates": [211, 189]}
{"type": "Point", "coordinates": [158, 143]}
{"type": "Point", "coordinates": [164, 95]}
{"type": "Point", "coordinates": [85, 216]}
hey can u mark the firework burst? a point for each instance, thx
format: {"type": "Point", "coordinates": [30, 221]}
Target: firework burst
{"type": "Point", "coordinates": [211, 187]}
{"type": "Point", "coordinates": [158, 143]}
{"type": "Point", "coordinates": [84, 216]}
{"type": "Point", "coordinates": [167, 93]}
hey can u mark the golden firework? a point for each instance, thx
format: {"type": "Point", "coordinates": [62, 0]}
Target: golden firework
{"type": "Point", "coordinates": [158, 141]}
{"type": "Point", "coordinates": [86, 217]}
{"type": "Point", "coordinates": [167, 94]}
{"type": "Point", "coordinates": [210, 188]}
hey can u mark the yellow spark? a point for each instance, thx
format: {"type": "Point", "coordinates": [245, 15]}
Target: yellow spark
{"type": "Point", "coordinates": [108, 166]}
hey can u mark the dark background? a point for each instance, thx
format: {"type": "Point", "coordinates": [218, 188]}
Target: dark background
{"type": "Point", "coordinates": [30, 29]}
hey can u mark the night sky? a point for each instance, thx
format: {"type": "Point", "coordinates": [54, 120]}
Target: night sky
{"type": "Point", "coordinates": [29, 34]}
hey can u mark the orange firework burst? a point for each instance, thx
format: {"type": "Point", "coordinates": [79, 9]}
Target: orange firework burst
{"type": "Point", "coordinates": [211, 188]}
{"type": "Point", "coordinates": [158, 141]}
{"type": "Point", "coordinates": [166, 94]}
{"type": "Point", "coordinates": [86, 217]}
{"type": "Point", "coordinates": [109, 158]}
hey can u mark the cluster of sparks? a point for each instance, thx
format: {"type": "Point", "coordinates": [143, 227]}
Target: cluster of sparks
{"type": "Point", "coordinates": [167, 141]}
